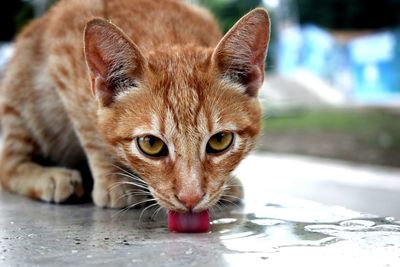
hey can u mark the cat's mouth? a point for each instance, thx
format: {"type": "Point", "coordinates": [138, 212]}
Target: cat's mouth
{"type": "Point", "coordinates": [189, 222]}
{"type": "Point", "coordinates": [182, 220]}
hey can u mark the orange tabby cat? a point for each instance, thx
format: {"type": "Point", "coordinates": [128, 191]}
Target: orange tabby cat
{"type": "Point", "coordinates": [149, 87]}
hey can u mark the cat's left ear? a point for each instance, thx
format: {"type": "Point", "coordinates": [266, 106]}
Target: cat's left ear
{"type": "Point", "coordinates": [115, 62]}
{"type": "Point", "coordinates": [241, 53]}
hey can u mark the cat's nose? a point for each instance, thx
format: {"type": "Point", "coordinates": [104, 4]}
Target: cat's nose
{"type": "Point", "coordinates": [191, 199]}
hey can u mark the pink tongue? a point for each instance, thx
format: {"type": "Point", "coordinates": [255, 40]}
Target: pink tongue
{"type": "Point", "coordinates": [189, 222]}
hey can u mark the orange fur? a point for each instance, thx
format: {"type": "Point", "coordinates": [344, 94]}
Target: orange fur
{"type": "Point", "coordinates": [159, 68]}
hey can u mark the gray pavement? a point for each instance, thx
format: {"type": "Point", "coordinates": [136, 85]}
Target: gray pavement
{"type": "Point", "coordinates": [272, 228]}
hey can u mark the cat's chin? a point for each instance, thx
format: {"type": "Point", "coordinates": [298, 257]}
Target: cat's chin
{"type": "Point", "coordinates": [189, 222]}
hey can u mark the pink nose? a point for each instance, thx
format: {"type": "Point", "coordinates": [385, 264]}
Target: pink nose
{"type": "Point", "coordinates": [190, 200]}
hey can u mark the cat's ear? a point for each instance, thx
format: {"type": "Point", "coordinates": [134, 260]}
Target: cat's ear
{"type": "Point", "coordinates": [240, 55]}
{"type": "Point", "coordinates": [115, 62]}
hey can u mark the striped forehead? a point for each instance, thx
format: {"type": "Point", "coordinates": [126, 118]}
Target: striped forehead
{"type": "Point", "coordinates": [184, 105]}
{"type": "Point", "coordinates": [181, 79]}
{"type": "Point", "coordinates": [186, 137]}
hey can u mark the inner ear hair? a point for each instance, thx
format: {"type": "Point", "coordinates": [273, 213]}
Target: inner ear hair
{"type": "Point", "coordinates": [115, 63]}
{"type": "Point", "coordinates": [120, 79]}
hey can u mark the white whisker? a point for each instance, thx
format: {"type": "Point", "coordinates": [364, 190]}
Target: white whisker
{"type": "Point", "coordinates": [140, 216]}
{"type": "Point", "coordinates": [124, 170]}
{"type": "Point", "coordinates": [156, 213]}
{"type": "Point", "coordinates": [129, 174]}
{"type": "Point", "coordinates": [139, 191]}
{"type": "Point", "coordinates": [127, 183]}
{"type": "Point", "coordinates": [212, 211]}
{"type": "Point", "coordinates": [231, 196]}
{"type": "Point", "coordinates": [128, 194]}
{"type": "Point", "coordinates": [233, 185]}
{"type": "Point", "coordinates": [134, 205]}
{"type": "Point", "coordinates": [230, 202]}
{"type": "Point", "coordinates": [218, 205]}
{"type": "Point", "coordinates": [130, 177]}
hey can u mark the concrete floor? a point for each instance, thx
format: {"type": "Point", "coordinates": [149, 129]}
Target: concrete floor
{"type": "Point", "coordinates": [272, 228]}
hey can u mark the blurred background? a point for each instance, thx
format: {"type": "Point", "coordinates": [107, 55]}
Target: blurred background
{"type": "Point", "coordinates": [333, 77]}
{"type": "Point", "coordinates": [332, 87]}
{"type": "Point", "coordinates": [331, 91]}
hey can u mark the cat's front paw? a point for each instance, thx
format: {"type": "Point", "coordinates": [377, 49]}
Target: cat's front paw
{"type": "Point", "coordinates": [57, 185]}
{"type": "Point", "coordinates": [116, 192]}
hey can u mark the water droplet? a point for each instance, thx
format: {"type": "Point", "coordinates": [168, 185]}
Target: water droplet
{"type": "Point", "coordinates": [267, 222]}
{"type": "Point", "coordinates": [273, 205]}
{"type": "Point", "coordinates": [357, 223]}
{"type": "Point", "coordinates": [390, 219]}
{"type": "Point", "coordinates": [224, 221]}
{"type": "Point", "coordinates": [387, 228]}
{"type": "Point", "coordinates": [238, 235]}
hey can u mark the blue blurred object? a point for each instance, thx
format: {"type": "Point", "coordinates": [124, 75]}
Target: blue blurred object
{"type": "Point", "coordinates": [6, 51]}
{"type": "Point", "coordinates": [317, 55]}
{"type": "Point", "coordinates": [375, 64]}
{"type": "Point", "coordinates": [289, 50]}
{"type": "Point", "coordinates": [367, 68]}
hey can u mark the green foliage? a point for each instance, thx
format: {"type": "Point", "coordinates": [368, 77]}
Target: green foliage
{"type": "Point", "coordinates": [350, 14]}
{"type": "Point", "coordinates": [23, 16]}
{"type": "Point", "coordinates": [13, 16]}
{"type": "Point", "coordinates": [229, 11]}
{"type": "Point", "coordinates": [367, 123]}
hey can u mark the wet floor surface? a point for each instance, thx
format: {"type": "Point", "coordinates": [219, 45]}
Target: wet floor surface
{"type": "Point", "coordinates": [361, 187]}
{"type": "Point", "coordinates": [267, 230]}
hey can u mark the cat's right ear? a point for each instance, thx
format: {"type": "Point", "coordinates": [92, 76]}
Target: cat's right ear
{"type": "Point", "coordinates": [115, 63]}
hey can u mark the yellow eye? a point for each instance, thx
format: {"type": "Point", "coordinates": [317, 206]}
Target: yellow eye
{"type": "Point", "coordinates": [152, 146]}
{"type": "Point", "coordinates": [219, 142]}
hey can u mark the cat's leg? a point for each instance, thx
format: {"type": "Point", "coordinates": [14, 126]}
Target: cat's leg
{"type": "Point", "coordinates": [20, 175]}
{"type": "Point", "coordinates": [113, 187]}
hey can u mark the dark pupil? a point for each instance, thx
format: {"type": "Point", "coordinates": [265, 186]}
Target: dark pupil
{"type": "Point", "coordinates": [151, 140]}
{"type": "Point", "coordinates": [219, 137]}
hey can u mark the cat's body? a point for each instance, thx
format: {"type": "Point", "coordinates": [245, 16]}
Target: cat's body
{"type": "Point", "coordinates": [169, 83]}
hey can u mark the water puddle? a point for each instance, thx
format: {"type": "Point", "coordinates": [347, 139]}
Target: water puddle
{"type": "Point", "coordinates": [283, 233]}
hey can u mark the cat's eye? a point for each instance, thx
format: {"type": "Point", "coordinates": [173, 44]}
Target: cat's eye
{"type": "Point", "coordinates": [152, 146]}
{"type": "Point", "coordinates": [219, 142]}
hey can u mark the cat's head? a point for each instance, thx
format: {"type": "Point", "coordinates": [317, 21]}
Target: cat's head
{"type": "Point", "coordinates": [181, 117]}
